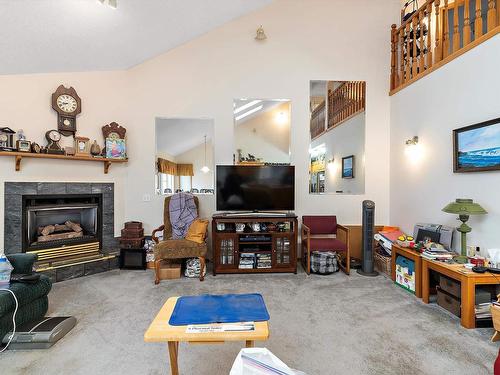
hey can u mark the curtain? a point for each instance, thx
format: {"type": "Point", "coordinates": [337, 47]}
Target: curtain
{"type": "Point", "coordinates": [185, 170]}
{"type": "Point", "coordinates": [167, 167]}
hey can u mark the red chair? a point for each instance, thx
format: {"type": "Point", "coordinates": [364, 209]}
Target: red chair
{"type": "Point", "coordinates": [322, 233]}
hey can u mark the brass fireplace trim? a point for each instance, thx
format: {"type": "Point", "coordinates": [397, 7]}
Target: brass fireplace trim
{"type": "Point", "coordinates": [65, 251]}
{"type": "Point", "coordinates": [74, 262]}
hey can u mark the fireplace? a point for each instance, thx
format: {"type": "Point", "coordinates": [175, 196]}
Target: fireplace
{"type": "Point", "coordinates": [62, 228]}
{"type": "Point", "coordinates": [69, 225]}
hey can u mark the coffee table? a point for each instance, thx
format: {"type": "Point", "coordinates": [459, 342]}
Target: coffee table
{"type": "Point", "coordinates": [161, 331]}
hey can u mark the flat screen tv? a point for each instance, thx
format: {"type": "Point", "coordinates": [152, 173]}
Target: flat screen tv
{"type": "Point", "coordinates": [255, 188]}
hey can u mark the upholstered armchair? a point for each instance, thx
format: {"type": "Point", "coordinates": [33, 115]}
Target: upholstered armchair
{"type": "Point", "coordinates": [323, 233]}
{"type": "Point", "coordinates": [169, 248]}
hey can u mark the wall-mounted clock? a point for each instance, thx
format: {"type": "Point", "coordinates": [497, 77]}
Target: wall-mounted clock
{"type": "Point", "coordinates": [67, 104]}
{"type": "Point", "coordinates": [53, 137]}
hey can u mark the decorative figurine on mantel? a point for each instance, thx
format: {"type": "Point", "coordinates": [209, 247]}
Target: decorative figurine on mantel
{"type": "Point", "coordinates": [95, 149]}
{"type": "Point", "coordinates": [7, 139]}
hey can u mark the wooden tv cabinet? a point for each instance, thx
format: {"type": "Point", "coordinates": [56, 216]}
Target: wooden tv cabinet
{"type": "Point", "coordinates": [274, 247]}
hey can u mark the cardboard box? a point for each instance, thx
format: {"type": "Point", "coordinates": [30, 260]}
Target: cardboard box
{"type": "Point", "coordinates": [170, 270]}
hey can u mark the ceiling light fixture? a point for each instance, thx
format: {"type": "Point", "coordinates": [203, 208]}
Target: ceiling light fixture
{"type": "Point", "coordinates": [111, 3]}
{"type": "Point", "coordinates": [249, 112]}
{"type": "Point", "coordinates": [205, 169]}
{"type": "Point", "coordinates": [260, 34]}
{"type": "Point", "coordinates": [245, 106]}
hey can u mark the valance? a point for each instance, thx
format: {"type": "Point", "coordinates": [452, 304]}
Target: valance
{"type": "Point", "coordinates": [185, 170]}
{"type": "Point", "coordinates": [167, 167]}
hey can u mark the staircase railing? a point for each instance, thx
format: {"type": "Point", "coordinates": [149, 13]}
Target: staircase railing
{"type": "Point", "coordinates": [318, 117]}
{"type": "Point", "coordinates": [438, 32]}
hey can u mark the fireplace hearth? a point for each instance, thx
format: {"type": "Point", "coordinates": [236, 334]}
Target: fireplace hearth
{"type": "Point", "coordinates": [70, 226]}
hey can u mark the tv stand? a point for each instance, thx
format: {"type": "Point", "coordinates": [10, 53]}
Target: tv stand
{"type": "Point", "coordinates": [254, 242]}
{"type": "Point", "coordinates": [255, 213]}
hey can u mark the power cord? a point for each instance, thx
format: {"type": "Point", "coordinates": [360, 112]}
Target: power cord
{"type": "Point", "coordinates": [13, 319]}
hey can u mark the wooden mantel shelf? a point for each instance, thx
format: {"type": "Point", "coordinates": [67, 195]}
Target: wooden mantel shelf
{"type": "Point", "coordinates": [20, 155]}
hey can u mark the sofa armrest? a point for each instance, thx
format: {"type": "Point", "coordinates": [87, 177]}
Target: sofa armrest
{"type": "Point", "coordinates": [22, 263]}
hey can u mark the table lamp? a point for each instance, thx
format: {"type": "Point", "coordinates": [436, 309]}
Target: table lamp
{"type": "Point", "coordinates": [464, 208]}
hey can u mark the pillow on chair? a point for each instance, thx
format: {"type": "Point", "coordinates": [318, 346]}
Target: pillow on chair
{"type": "Point", "coordinates": [197, 231]}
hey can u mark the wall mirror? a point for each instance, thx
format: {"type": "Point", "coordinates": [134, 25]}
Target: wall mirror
{"type": "Point", "coordinates": [337, 131]}
{"type": "Point", "coordinates": [262, 131]}
{"type": "Point", "coordinates": [184, 155]}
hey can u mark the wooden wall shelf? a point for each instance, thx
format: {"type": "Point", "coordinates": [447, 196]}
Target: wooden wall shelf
{"type": "Point", "coordinates": [20, 155]}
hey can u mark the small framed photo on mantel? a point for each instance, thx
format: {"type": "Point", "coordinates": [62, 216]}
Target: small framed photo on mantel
{"type": "Point", "coordinates": [348, 167]}
{"type": "Point", "coordinates": [115, 148]}
{"type": "Point", "coordinates": [476, 148]}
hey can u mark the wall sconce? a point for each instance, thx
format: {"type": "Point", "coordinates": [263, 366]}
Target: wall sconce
{"type": "Point", "coordinates": [412, 142]}
{"type": "Point", "coordinates": [281, 118]}
{"type": "Point", "coordinates": [112, 3]}
{"type": "Point", "coordinates": [260, 35]}
{"type": "Point", "coordinates": [413, 149]}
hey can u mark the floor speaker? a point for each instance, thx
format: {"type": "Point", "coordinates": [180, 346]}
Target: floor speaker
{"type": "Point", "coordinates": [367, 264]}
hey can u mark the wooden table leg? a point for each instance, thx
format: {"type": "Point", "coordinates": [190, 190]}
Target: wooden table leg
{"type": "Point", "coordinates": [249, 344]}
{"type": "Point", "coordinates": [173, 350]}
{"type": "Point", "coordinates": [418, 277]}
{"type": "Point", "coordinates": [425, 282]}
{"type": "Point", "coordinates": [393, 263]}
{"type": "Point", "coordinates": [468, 317]}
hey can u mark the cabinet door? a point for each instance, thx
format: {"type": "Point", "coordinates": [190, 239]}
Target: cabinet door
{"type": "Point", "coordinates": [283, 251]}
{"type": "Point", "coordinates": [226, 251]}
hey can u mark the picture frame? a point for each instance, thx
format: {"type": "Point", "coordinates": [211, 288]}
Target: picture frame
{"type": "Point", "coordinates": [476, 148]}
{"type": "Point", "coordinates": [23, 145]}
{"type": "Point", "coordinates": [348, 167]}
{"type": "Point", "coordinates": [82, 146]}
{"type": "Point", "coordinates": [116, 148]}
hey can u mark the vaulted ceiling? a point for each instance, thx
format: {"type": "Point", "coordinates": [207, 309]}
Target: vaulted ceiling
{"type": "Point", "coordinates": [40, 36]}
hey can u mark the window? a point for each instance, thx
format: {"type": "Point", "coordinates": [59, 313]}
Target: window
{"type": "Point", "coordinates": [185, 183]}
{"type": "Point", "coordinates": [165, 183]}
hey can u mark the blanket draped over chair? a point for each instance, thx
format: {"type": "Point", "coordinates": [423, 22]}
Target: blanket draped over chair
{"type": "Point", "coordinates": [183, 212]}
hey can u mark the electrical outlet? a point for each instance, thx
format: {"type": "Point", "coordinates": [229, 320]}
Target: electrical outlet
{"type": "Point", "coordinates": [146, 198]}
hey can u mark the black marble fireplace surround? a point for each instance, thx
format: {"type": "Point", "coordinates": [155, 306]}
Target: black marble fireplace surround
{"type": "Point", "coordinates": [13, 213]}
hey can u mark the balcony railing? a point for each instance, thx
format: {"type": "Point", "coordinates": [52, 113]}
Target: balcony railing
{"type": "Point", "coordinates": [438, 32]}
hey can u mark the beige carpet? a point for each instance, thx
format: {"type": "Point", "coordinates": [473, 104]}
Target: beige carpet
{"type": "Point", "coordinates": [319, 324]}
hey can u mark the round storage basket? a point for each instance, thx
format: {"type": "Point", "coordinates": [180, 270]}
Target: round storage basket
{"type": "Point", "coordinates": [324, 262]}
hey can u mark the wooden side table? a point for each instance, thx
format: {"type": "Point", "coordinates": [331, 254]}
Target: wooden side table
{"type": "Point", "coordinates": [161, 331]}
{"type": "Point", "coordinates": [413, 256]}
{"type": "Point", "coordinates": [468, 281]}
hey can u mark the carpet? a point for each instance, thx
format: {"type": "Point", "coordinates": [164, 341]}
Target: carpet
{"type": "Point", "coordinates": [333, 324]}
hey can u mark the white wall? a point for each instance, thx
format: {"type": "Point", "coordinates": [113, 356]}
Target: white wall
{"type": "Point", "coordinates": [25, 103]}
{"type": "Point", "coordinates": [200, 79]}
{"type": "Point", "coordinates": [344, 140]}
{"type": "Point", "coordinates": [463, 92]}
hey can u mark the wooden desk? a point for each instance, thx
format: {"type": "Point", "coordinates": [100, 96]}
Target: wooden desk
{"type": "Point", "coordinates": [161, 331]}
{"type": "Point", "coordinates": [415, 257]}
{"type": "Point", "coordinates": [468, 281]}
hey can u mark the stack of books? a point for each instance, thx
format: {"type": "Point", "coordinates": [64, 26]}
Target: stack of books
{"type": "Point", "coordinates": [483, 310]}
{"type": "Point", "coordinates": [437, 254]}
{"type": "Point", "coordinates": [263, 260]}
{"type": "Point", "coordinates": [247, 261]}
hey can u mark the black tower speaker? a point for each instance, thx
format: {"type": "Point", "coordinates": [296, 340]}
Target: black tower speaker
{"type": "Point", "coordinates": [367, 268]}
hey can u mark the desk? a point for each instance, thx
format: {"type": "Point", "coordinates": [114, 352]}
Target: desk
{"type": "Point", "coordinates": [161, 331]}
{"type": "Point", "coordinates": [468, 281]}
{"type": "Point", "coordinates": [415, 257]}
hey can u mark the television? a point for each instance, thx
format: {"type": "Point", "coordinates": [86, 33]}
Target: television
{"type": "Point", "coordinates": [255, 188]}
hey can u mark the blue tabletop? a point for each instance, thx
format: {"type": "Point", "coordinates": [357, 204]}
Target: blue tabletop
{"type": "Point", "coordinates": [226, 308]}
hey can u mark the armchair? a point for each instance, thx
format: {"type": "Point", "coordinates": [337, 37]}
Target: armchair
{"type": "Point", "coordinates": [33, 300]}
{"type": "Point", "coordinates": [323, 233]}
{"type": "Point", "coordinates": [179, 248]}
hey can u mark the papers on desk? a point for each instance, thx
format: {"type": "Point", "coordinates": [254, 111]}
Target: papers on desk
{"type": "Point", "coordinates": [229, 327]}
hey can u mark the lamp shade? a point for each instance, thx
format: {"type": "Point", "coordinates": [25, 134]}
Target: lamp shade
{"type": "Point", "coordinates": [464, 207]}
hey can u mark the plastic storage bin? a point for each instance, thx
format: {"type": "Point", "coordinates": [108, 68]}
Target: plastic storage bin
{"type": "Point", "coordinates": [405, 273]}
{"type": "Point", "coordinates": [5, 271]}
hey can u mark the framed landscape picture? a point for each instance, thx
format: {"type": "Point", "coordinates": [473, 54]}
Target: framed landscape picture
{"type": "Point", "coordinates": [476, 147]}
{"type": "Point", "coordinates": [348, 167]}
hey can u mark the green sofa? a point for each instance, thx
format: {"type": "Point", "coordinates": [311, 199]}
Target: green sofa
{"type": "Point", "coordinates": [33, 300]}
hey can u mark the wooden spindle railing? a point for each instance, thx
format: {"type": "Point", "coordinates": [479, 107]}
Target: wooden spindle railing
{"type": "Point", "coordinates": [438, 32]}
{"type": "Point", "coordinates": [318, 117]}
{"type": "Point", "coordinates": [345, 102]}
